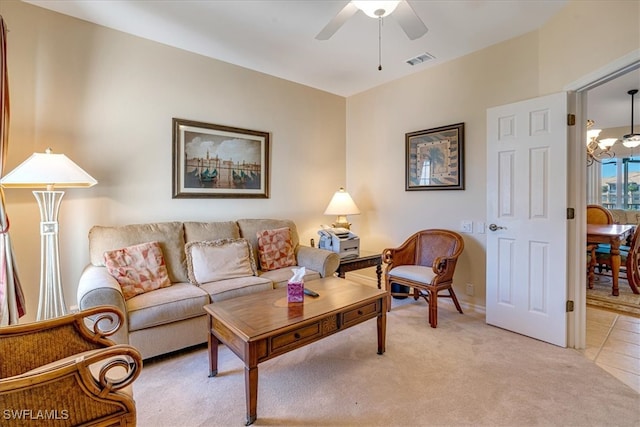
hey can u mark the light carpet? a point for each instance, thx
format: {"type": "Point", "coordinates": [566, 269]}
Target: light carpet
{"type": "Point", "coordinates": [600, 296]}
{"type": "Point", "coordinates": [462, 373]}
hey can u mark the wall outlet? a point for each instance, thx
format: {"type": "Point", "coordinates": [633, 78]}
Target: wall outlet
{"type": "Point", "coordinates": [470, 289]}
{"type": "Point", "coordinates": [466, 226]}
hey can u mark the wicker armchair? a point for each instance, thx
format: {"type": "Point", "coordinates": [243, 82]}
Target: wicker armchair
{"type": "Point", "coordinates": [58, 372]}
{"type": "Point", "coordinates": [425, 262]}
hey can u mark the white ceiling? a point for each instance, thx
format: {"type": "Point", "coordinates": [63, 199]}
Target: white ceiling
{"type": "Point", "coordinates": [277, 37]}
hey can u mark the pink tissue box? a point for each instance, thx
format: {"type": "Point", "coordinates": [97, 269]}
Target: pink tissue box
{"type": "Point", "coordinates": [295, 292]}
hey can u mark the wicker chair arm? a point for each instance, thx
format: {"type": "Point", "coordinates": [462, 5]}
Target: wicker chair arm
{"type": "Point", "coordinates": [401, 255]}
{"type": "Point", "coordinates": [96, 368]}
{"type": "Point", "coordinates": [387, 256]}
{"type": "Point", "coordinates": [32, 345]}
{"type": "Point", "coordinates": [444, 267]}
{"type": "Point", "coordinates": [106, 321]}
{"type": "Point", "coordinates": [119, 366]}
{"type": "Point", "coordinates": [83, 390]}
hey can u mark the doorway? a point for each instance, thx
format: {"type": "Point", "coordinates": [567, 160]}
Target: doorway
{"type": "Point", "coordinates": [578, 184]}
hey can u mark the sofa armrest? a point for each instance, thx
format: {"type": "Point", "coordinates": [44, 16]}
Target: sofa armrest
{"type": "Point", "coordinates": [96, 288]}
{"type": "Point", "coordinates": [321, 260]}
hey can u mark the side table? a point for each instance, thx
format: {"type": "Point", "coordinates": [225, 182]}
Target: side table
{"type": "Point", "coordinates": [364, 260]}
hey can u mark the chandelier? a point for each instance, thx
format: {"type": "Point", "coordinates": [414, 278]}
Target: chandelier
{"type": "Point", "coordinates": [598, 149]}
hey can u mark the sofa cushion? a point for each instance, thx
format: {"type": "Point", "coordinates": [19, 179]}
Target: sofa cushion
{"type": "Point", "coordinates": [170, 235]}
{"type": "Point", "coordinates": [232, 288]}
{"type": "Point", "coordinates": [221, 259]}
{"type": "Point", "coordinates": [177, 302]}
{"type": "Point", "coordinates": [275, 249]}
{"type": "Point", "coordinates": [281, 277]}
{"type": "Point", "coordinates": [138, 268]}
{"type": "Point", "coordinates": [200, 231]}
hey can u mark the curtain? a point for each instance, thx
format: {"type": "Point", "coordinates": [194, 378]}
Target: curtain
{"type": "Point", "coordinates": [11, 297]}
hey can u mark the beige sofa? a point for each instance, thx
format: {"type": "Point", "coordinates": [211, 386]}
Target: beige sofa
{"type": "Point", "coordinates": [172, 318]}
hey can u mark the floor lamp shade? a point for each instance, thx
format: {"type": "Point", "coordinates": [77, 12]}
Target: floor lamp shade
{"type": "Point", "coordinates": [49, 171]}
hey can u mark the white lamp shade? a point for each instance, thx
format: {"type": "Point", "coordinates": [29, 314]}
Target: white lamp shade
{"type": "Point", "coordinates": [607, 142]}
{"type": "Point", "coordinates": [48, 170]}
{"type": "Point", "coordinates": [342, 204]}
{"type": "Point", "coordinates": [593, 133]}
{"type": "Point", "coordinates": [376, 8]}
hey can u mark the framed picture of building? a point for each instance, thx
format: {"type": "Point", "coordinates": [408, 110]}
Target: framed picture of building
{"type": "Point", "coordinates": [435, 158]}
{"type": "Point", "coordinates": [219, 161]}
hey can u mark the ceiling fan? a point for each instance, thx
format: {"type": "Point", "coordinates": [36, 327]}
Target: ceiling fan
{"type": "Point", "coordinates": [402, 11]}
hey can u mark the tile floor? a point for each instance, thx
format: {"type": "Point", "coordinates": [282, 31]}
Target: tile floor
{"type": "Point", "coordinates": [613, 343]}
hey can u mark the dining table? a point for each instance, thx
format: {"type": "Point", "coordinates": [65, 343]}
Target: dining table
{"type": "Point", "coordinates": [613, 234]}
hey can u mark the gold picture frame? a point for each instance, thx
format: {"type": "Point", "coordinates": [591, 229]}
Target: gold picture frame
{"type": "Point", "coordinates": [219, 161]}
{"type": "Point", "coordinates": [435, 158]}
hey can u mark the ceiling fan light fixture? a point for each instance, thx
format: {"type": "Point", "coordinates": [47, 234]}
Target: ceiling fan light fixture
{"type": "Point", "coordinates": [376, 9]}
{"type": "Point", "coordinates": [631, 140]}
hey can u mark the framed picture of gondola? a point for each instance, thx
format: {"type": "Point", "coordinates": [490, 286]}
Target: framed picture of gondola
{"type": "Point", "coordinates": [435, 158]}
{"type": "Point", "coordinates": [219, 161]}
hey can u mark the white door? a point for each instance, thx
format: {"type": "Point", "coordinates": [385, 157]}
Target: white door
{"type": "Point", "coordinates": [527, 208]}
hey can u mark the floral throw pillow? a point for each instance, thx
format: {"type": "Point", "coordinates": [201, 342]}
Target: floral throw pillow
{"type": "Point", "coordinates": [275, 249]}
{"type": "Point", "coordinates": [138, 269]}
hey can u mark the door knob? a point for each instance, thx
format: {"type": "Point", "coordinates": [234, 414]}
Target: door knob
{"type": "Point", "coordinates": [494, 227]}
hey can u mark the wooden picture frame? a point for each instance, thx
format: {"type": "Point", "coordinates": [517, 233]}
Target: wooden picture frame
{"type": "Point", "coordinates": [219, 161]}
{"type": "Point", "coordinates": [435, 158]}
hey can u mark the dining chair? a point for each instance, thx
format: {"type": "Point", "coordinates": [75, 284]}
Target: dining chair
{"type": "Point", "coordinates": [597, 214]}
{"type": "Point", "coordinates": [629, 260]}
{"type": "Point", "coordinates": [633, 262]}
{"type": "Point", "coordinates": [591, 263]}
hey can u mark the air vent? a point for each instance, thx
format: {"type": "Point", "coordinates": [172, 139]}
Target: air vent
{"type": "Point", "coordinates": [420, 59]}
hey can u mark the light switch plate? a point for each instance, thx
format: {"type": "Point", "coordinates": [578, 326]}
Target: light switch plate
{"type": "Point", "coordinates": [466, 226]}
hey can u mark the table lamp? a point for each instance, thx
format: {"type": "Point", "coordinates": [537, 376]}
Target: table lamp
{"type": "Point", "coordinates": [342, 204]}
{"type": "Point", "coordinates": [49, 171]}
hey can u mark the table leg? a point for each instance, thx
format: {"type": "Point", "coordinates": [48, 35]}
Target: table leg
{"type": "Point", "coordinates": [213, 350]}
{"type": "Point", "coordinates": [251, 392]}
{"type": "Point", "coordinates": [382, 326]}
{"type": "Point", "coordinates": [615, 266]}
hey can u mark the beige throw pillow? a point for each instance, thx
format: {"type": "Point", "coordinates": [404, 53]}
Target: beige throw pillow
{"type": "Point", "coordinates": [210, 261]}
{"type": "Point", "coordinates": [138, 269]}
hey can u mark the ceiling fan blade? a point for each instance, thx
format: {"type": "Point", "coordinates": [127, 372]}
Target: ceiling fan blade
{"type": "Point", "coordinates": [338, 21]}
{"type": "Point", "coordinates": [409, 20]}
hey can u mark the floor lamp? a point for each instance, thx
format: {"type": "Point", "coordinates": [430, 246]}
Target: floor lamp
{"type": "Point", "coordinates": [49, 171]}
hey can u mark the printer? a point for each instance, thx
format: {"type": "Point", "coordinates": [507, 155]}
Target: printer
{"type": "Point", "coordinates": [341, 241]}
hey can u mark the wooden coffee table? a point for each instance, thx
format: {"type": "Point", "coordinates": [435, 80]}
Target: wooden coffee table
{"type": "Point", "coordinates": [263, 325]}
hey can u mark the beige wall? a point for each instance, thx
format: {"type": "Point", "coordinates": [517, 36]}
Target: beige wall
{"type": "Point", "coordinates": [583, 37]}
{"type": "Point", "coordinates": [106, 100]}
